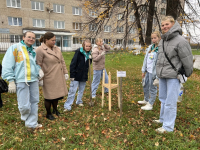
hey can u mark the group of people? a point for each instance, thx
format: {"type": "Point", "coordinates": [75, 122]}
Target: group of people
{"type": "Point", "coordinates": [25, 68]}
{"type": "Point", "coordinates": [170, 49]}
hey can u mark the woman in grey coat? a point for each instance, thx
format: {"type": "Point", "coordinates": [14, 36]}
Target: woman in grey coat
{"type": "Point", "coordinates": [179, 53]}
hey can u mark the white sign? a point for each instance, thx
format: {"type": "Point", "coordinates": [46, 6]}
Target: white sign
{"type": "Point", "coordinates": [121, 73]}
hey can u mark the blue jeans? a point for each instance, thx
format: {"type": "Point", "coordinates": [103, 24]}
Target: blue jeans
{"type": "Point", "coordinates": [168, 95]}
{"type": "Point", "coordinates": [28, 99]}
{"type": "Point", "coordinates": [72, 92]}
{"type": "Point", "coordinates": [97, 75]}
{"type": "Point", "coordinates": [150, 91]}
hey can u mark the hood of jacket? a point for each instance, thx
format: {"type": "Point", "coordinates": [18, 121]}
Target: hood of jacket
{"type": "Point", "coordinates": [173, 31]}
{"type": "Point", "coordinates": [94, 46]}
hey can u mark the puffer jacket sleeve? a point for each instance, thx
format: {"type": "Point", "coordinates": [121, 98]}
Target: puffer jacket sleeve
{"type": "Point", "coordinates": [186, 57]}
{"type": "Point", "coordinates": [145, 60]}
{"type": "Point", "coordinates": [8, 64]}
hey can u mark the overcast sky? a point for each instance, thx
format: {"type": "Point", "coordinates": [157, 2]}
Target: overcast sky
{"type": "Point", "coordinates": [194, 30]}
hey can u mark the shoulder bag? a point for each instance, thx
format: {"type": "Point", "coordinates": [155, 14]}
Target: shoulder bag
{"type": "Point", "coordinates": [181, 72]}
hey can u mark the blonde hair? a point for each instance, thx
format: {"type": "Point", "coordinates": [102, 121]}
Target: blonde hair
{"type": "Point", "coordinates": [97, 40]}
{"type": "Point", "coordinates": [156, 33]}
{"type": "Point", "coordinates": [170, 18]}
{"type": "Point", "coordinates": [86, 41]}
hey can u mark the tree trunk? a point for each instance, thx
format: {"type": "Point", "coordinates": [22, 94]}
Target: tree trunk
{"type": "Point", "coordinates": [137, 17]}
{"type": "Point", "coordinates": [150, 22]}
{"type": "Point", "coordinates": [172, 8]}
{"type": "Point", "coordinates": [126, 29]}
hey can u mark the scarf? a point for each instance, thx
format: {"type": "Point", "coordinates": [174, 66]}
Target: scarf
{"type": "Point", "coordinates": [154, 49]}
{"type": "Point", "coordinates": [86, 54]}
{"type": "Point", "coordinates": [29, 49]}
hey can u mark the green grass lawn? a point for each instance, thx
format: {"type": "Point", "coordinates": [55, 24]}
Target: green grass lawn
{"type": "Point", "coordinates": [96, 127]}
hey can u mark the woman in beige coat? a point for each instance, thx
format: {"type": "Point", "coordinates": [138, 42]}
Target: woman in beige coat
{"type": "Point", "coordinates": [50, 58]}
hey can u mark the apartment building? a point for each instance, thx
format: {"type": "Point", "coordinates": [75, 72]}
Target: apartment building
{"type": "Point", "coordinates": [65, 18]}
{"type": "Point", "coordinates": [40, 16]}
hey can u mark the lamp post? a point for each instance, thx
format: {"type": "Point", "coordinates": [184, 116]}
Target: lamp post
{"type": "Point", "coordinates": [49, 10]}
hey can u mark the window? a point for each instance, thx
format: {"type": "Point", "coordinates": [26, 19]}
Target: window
{"type": "Point", "coordinates": [92, 40]}
{"type": "Point", "coordinates": [12, 21]}
{"type": "Point", "coordinates": [77, 11]}
{"type": "Point", "coordinates": [120, 29]}
{"type": "Point", "coordinates": [119, 41]}
{"type": "Point", "coordinates": [130, 42]}
{"type": "Point", "coordinates": [13, 3]}
{"type": "Point", "coordinates": [164, 1]}
{"type": "Point", "coordinates": [121, 3]}
{"type": "Point", "coordinates": [132, 18]}
{"type": "Point", "coordinates": [94, 1]}
{"type": "Point", "coordinates": [107, 28]}
{"type": "Point", "coordinates": [15, 38]}
{"type": "Point", "coordinates": [58, 41]}
{"type": "Point", "coordinates": [119, 16]}
{"type": "Point", "coordinates": [143, 8]}
{"type": "Point", "coordinates": [143, 30]}
{"type": "Point", "coordinates": [37, 5]}
{"type": "Point", "coordinates": [154, 20]}
{"type": "Point", "coordinates": [37, 42]}
{"type": "Point", "coordinates": [77, 40]}
{"type": "Point", "coordinates": [132, 31]}
{"type": "Point", "coordinates": [58, 8]}
{"type": "Point", "coordinates": [67, 41]}
{"type": "Point", "coordinates": [77, 26]}
{"type": "Point", "coordinates": [39, 23]}
{"type": "Point", "coordinates": [59, 24]}
{"type": "Point", "coordinates": [143, 20]}
{"type": "Point", "coordinates": [92, 13]}
{"type": "Point", "coordinates": [163, 11]}
{"type": "Point", "coordinates": [92, 27]}
{"type": "Point", "coordinates": [106, 41]}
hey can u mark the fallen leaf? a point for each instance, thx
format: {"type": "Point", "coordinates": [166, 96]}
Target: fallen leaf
{"type": "Point", "coordinates": [156, 144]}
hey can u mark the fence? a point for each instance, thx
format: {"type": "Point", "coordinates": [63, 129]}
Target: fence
{"type": "Point", "coordinates": [7, 40]}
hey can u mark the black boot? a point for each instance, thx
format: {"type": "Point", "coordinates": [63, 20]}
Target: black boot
{"type": "Point", "coordinates": [50, 117]}
{"type": "Point", "coordinates": [56, 112]}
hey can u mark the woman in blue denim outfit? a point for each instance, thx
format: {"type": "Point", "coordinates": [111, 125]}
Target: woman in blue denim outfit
{"type": "Point", "coordinates": [149, 67]}
{"type": "Point", "coordinates": [78, 74]}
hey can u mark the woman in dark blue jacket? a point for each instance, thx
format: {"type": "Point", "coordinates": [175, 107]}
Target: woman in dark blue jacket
{"type": "Point", "coordinates": [78, 74]}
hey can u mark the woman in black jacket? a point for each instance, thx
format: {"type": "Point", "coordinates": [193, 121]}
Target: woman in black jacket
{"type": "Point", "coordinates": [78, 74]}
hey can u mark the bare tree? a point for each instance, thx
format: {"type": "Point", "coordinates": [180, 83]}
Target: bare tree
{"type": "Point", "coordinates": [144, 12]}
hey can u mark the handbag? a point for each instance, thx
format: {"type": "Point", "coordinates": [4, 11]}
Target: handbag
{"type": "Point", "coordinates": [3, 86]}
{"type": "Point", "coordinates": [181, 72]}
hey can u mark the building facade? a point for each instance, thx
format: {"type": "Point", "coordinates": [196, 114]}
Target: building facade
{"type": "Point", "coordinates": [65, 18]}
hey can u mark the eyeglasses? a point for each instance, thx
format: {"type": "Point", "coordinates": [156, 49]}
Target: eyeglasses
{"type": "Point", "coordinates": [29, 37]}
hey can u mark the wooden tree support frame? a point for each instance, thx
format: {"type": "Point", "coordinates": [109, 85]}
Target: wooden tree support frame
{"type": "Point", "coordinates": [110, 87]}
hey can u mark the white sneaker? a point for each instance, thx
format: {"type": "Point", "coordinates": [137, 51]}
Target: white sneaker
{"type": "Point", "coordinates": [161, 130]}
{"type": "Point", "coordinates": [142, 102]}
{"type": "Point", "coordinates": [157, 121]}
{"type": "Point", "coordinates": [65, 110]}
{"type": "Point", "coordinates": [80, 105]}
{"type": "Point", "coordinates": [148, 106]}
{"type": "Point", "coordinates": [39, 126]}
